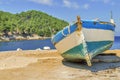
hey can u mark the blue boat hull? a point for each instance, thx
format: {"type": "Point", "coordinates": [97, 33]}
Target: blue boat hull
{"type": "Point", "coordinates": [93, 39]}
{"type": "Point", "coordinates": [75, 54]}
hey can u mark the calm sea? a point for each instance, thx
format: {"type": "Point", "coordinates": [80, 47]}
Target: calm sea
{"type": "Point", "coordinates": [116, 44]}
{"type": "Point", "coordinates": [34, 44]}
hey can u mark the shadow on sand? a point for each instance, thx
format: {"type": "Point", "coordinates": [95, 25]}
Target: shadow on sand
{"type": "Point", "coordinates": [96, 66]}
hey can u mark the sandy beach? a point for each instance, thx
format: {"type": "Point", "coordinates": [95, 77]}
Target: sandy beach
{"type": "Point", "coordinates": [49, 65]}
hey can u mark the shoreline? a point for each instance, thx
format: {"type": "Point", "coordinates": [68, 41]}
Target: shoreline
{"type": "Point", "coordinates": [107, 51]}
{"type": "Point", "coordinates": [15, 51]}
{"type": "Point", "coordinates": [19, 38]}
{"type": "Point", "coordinates": [49, 65]}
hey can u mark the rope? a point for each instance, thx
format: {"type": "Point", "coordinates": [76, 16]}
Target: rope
{"type": "Point", "coordinates": [79, 23]}
{"type": "Point", "coordinates": [63, 33]}
{"type": "Point", "coordinates": [68, 31]}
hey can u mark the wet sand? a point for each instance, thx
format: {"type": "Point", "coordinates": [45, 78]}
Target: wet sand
{"type": "Point", "coordinates": [49, 65]}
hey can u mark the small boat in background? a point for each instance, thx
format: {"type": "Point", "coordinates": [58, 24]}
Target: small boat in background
{"type": "Point", "coordinates": [83, 40]}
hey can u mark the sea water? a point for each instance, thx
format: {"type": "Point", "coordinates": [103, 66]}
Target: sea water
{"type": "Point", "coordinates": [116, 44]}
{"type": "Point", "coordinates": [26, 45]}
{"type": "Point", "coordinates": [35, 44]}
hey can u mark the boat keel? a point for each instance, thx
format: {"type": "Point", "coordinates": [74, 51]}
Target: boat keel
{"type": "Point", "coordinates": [88, 60]}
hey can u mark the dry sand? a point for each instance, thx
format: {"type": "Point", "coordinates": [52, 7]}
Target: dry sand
{"type": "Point", "coordinates": [49, 65]}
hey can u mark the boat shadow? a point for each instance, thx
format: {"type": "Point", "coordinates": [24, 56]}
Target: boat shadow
{"type": "Point", "coordinates": [96, 66]}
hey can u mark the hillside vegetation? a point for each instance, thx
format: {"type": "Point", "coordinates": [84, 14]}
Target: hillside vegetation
{"type": "Point", "coordinates": [28, 23]}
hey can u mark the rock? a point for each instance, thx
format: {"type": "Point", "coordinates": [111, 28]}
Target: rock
{"type": "Point", "coordinates": [19, 49]}
{"type": "Point", "coordinates": [46, 48]}
{"type": "Point", "coordinates": [38, 49]}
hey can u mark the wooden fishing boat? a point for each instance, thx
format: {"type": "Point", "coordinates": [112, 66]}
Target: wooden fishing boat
{"type": "Point", "coordinates": [83, 40]}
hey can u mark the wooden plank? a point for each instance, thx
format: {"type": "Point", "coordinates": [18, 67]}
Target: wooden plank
{"type": "Point", "coordinates": [112, 52]}
{"type": "Point", "coordinates": [108, 56]}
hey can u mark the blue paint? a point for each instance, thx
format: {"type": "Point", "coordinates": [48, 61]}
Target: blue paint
{"type": "Point", "coordinates": [78, 52]}
{"type": "Point", "coordinates": [86, 24]}
{"type": "Point", "coordinates": [98, 25]}
{"type": "Point", "coordinates": [95, 48]}
{"type": "Point", "coordinates": [92, 46]}
{"type": "Point", "coordinates": [59, 36]}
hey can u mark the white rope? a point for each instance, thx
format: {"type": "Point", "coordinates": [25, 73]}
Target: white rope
{"type": "Point", "coordinates": [68, 31]}
{"type": "Point", "coordinates": [63, 32]}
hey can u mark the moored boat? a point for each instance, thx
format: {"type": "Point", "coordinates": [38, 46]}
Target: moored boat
{"type": "Point", "coordinates": [83, 40]}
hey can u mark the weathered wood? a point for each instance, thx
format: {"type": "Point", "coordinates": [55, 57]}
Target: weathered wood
{"type": "Point", "coordinates": [108, 56]}
{"type": "Point", "coordinates": [79, 23]}
{"type": "Point", "coordinates": [112, 52]}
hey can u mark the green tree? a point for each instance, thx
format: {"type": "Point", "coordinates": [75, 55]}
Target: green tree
{"type": "Point", "coordinates": [30, 22]}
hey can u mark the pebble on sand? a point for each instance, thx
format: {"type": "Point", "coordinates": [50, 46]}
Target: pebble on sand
{"type": "Point", "coordinates": [19, 49]}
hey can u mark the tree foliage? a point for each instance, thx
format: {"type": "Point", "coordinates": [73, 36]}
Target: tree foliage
{"type": "Point", "coordinates": [30, 22]}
